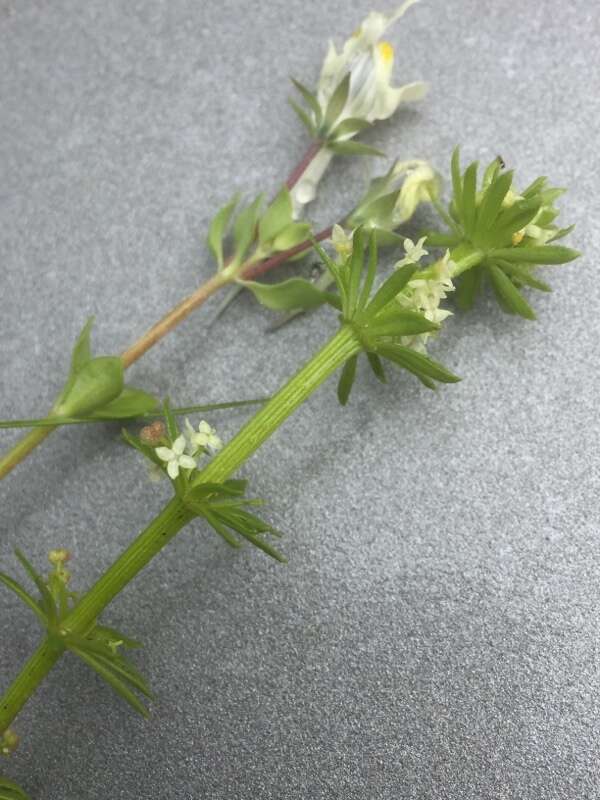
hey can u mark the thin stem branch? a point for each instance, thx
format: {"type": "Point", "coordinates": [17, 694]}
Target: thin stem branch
{"type": "Point", "coordinates": [52, 422]}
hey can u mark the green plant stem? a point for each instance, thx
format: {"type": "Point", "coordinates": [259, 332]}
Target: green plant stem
{"type": "Point", "coordinates": [22, 449]}
{"type": "Point", "coordinates": [176, 515]}
{"type": "Point", "coordinates": [57, 422]}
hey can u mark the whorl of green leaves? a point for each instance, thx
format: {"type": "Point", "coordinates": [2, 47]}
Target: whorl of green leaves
{"type": "Point", "coordinates": [98, 648]}
{"type": "Point", "coordinates": [10, 791]}
{"type": "Point", "coordinates": [378, 320]}
{"type": "Point", "coordinates": [325, 125]}
{"type": "Point", "coordinates": [506, 235]}
{"type": "Point", "coordinates": [223, 505]}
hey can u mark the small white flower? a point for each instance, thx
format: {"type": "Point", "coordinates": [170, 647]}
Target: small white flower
{"type": "Point", "coordinates": [341, 241]}
{"type": "Point", "coordinates": [425, 295]}
{"type": "Point", "coordinates": [205, 436]}
{"type": "Point", "coordinates": [175, 457]}
{"type": "Point", "coordinates": [414, 252]}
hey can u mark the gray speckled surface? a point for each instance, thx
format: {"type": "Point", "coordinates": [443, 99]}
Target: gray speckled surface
{"type": "Point", "coordinates": [435, 634]}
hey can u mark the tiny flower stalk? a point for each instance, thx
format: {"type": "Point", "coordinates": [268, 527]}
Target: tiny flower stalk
{"type": "Point", "coordinates": [372, 322]}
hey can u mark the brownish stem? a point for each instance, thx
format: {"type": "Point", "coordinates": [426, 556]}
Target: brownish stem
{"type": "Point", "coordinates": [302, 165]}
{"type": "Point", "coordinates": [254, 270]}
{"type": "Point", "coordinates": [173, 318]}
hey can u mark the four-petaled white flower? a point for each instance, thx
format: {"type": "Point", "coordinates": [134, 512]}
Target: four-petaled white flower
{"type": "Point", "coordinates": [414, 252]}
{"type": "Point", "coordinates": [205, 436]}
{"type": "Point", "coordinates": [341, 241]}
{"type": "Point", "coordinates": [176, 457]}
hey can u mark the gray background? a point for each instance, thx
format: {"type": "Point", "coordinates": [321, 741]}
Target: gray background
{"type": "Point", "coordinates": [435, 634]}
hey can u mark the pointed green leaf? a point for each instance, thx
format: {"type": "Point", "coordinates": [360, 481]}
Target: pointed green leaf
{"type": "Point", "coordinates": [291, 294]}
{"type": "Point", "coordinates": [515, 218]}
{"type": "Point", "coordinates": [543, 254]}
{"type": "Point", "coordinates": [377, 366]}
{"type": "Point", "coordinates": [130, 403]}
{"type": "Point", "coordinates": [469, 207]}
{"type": "Point", "coordinates": [95, 384]}
{"type": "Point", "coordinates": [218, 228]}
{"type": "Point", "coordinates": [24, 595]}
{"type": "Point", "coordinates": [456, 178]}
{"type": "Point", "coordinates": [468, 287]}
{"type": "Point", "coordinates": [492, 200]}
{"type": "Point", "coordinates": [354, 149]}
{"type": "Point", "coordinates": [244, 228]}
{"type": "Point", "coordinates": [371, 272]}
{"type": "Point", "coordinates": [337, 102]}
{"type": "Point", "coordinates": [508, 293]}
{"type": "Point", "coordinates": [390, 288]}
{"type": "Point", "coordinates": [82, 349]}
{"type": "Point", "coordinates": [417, 363]}
{"type": "Point", "coordinates": [355, 267]}
{"type": "Point", "coordinates": [277, 216]}
{"type": "Point", "coordinates": [292, 235]}
{"type": "Point", "coordinates": [112, 679]}
{"type": "Point", "coordinates": [309, 98]}
{"type": "Point", "coordinates": [535, 187]}
{"type": "Point", "coordinates": [348, 127]}
{"type": "Point", "coordinates": [170, 421]}
{"type": "Point", "coordinates": [48, 605]}
{"type": "Point", "coordinates": [523, 275]}
{"type": "Point", "coordinates": [304, 117]}
{"type": "Point", "coordinates": [347, 380]}
{"type": "Point", "coordinates": [401, 323]}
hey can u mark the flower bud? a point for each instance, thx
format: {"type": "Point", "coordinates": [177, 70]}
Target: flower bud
{"type": "Point", "coordinates": [9, 742]}
{"type": "Point", "coordinates": [153, 434]}
{"type": "Point", "coordinates": [59, 557]}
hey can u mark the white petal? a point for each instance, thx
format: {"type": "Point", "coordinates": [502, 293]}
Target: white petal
{"type": "Point", "coordinates": [189, 427]}
{"type": "Point", "coordinates": [179, 445]}
{"type": "Point", "coordinates": [204, 427]}
{"type": "Point", "coordinates": [173, 469]}
{"type": "Point", "coordinates": [187, 462]}
{"type": "Point", "coordinates": [164, 453]}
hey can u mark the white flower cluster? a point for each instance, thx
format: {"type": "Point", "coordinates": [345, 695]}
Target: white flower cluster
{"type": "Point", "coordinates": [425, 293]}
{"type": "Point", "coordinates": [185, 450]}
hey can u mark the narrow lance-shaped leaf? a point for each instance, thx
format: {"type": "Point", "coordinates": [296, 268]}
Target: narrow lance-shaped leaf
{"type": "Point", "coordinates": [24, 595]}
{"type": "Point", "coordinates": [337, 101]}
{"type": "Point", "coordinates": [417, 363]}
{"type": "Point", "coordinates": [304, 117]}
{"type": "Point", "coordinates": [468, 287]}
{"type": "Point", "coordinates": [456, 179]}
{"type": "Point", "coordinates": [218, 228]}
{"type": "Point", "coordinates": [310, 99]}
{"type": "Point", "coordinates": [347, 380]}
{"type": "Point", "coordinates": [469, 207]}
{"type": "Point", "coordinates": [291, 294]}
{"type": "Point", "coordinates": [492, 200]}
{"type": "Point", "coordinates": [82, 348]}
{"type": "Point", "coordinates": [114, 680]}
{"type": "Point", "coordinates": [508, 293]}
{"type": "Point", "coordinates": [377, 366]}
{"type": "Point", "coordinates": [386, 293]}
{"type": "Point", "coordinates": [354, 149]}
{"type": "Point", "coordinates": [48, 605]}
{"type": "Point", "coordinates": [277, 216]}
{"type": "Point", "coordinates": [543, 254]}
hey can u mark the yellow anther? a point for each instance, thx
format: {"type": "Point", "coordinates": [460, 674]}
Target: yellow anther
{"type": "Point", "coordinates": [517, 237]}
{"type": "Point", "coordinates": [386, 51]}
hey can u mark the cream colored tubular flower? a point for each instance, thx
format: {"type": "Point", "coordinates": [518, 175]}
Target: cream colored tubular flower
{"type": "Point", "coordinates": [369, 63]}
{"type": "Point", "coordinates": [392, 199]}
{"type": "Point", "coordinates": [175, 457]}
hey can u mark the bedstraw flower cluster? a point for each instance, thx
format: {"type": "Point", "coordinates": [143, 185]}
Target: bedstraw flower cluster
{"type": "Point", "coordinates": [187, 448]}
